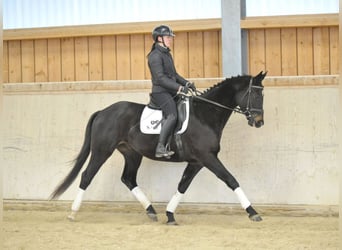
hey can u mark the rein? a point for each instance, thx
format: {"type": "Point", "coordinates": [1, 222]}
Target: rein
{"type": "Point", "coordinates": [248, 110]}
{"type": "Point", "coordinates": [238, 110]}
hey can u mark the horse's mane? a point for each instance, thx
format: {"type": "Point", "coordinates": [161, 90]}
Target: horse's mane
{"type": "Point", "coordinates": [223, 83]}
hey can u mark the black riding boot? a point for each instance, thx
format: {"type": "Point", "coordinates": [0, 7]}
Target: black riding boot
{"type": "Point", "coordinates": [166, 129]}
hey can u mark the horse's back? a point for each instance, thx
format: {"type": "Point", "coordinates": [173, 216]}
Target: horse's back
{"type": "Point", "coordinates": [118, 117]}
{"type": "Point", "coordinates": [123, 110]}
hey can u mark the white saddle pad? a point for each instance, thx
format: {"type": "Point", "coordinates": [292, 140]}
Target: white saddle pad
{"type": "Point", "coordinates": [150, 120]}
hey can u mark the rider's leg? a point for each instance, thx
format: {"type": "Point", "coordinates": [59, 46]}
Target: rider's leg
{"type": "Point", "coordinates": [169, 108]}
{"type": "Point", "coordinates": [166, 129]}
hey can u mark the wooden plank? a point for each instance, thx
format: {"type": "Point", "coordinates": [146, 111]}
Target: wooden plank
{"type": "Point", "coordinates": [28, 59]}
{"type": "Point", "coordinates": [181, 54]}
{"type": "Point", "coordinates": [304, 51]}
{"type": "Point", "coordinates": [273, 52]}
{"type": "Point", "coordinates": [123, 55]}
{"type": "Point", "coordinates": [5, 62]}
{"type": "Point", "coordinates": [148, 45]}
{"type": "Point", "coordinates": [290, 21]}
{"type": "Point", "coordinates": [172, 48]}
{"type": "Point", "coordinates": [321, 51]}
{"type": "Point", "coordinates": [256, 51]}
{"type": "Point", "coordinates": [40, 60]}
{"type": "Point", "coordinates": [14, 61]}
{"type": "Point", "coordinates": [68, 59]}
{"type": "Point", "coordinates": [289, 52]}
{"type": "Point", "coordinates": [54, 60]}
{"type": "Point", "coordinates": [220, 53]}
{"type": "Point", "coordinates": [334, 50]}
{"type": "Point", "coordinates": [137, 57]}
{"type": "Point", "coordinates": [211, 53]}
{"type": "Point", "coordinates": [302, 81]}
{"type": "Point", "coordinates": [196, 65]}
{"type": "Point", "coordinates": [109, 57]}
{"type": "Point", "coordinates": [81, 59]}
{"type": "Point", "coordinates": [110, 29]}
{"type": "Point", "coordinates": [95, 58]}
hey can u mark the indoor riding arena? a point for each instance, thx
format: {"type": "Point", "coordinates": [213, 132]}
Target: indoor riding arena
{"type": "Point", "coordinates": [57, 76]}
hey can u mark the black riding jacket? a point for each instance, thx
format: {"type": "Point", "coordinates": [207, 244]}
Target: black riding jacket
{"type": "Point", "coordinates": [163, 71]}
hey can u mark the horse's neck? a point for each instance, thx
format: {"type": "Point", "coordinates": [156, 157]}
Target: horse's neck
{"type": "Point", "coordinates": [223, 96]}
{"type": "Point", "coordinates": [220, 115]}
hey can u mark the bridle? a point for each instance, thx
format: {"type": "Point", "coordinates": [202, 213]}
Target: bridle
{"type": "Point", "coordinates": [249, 109]}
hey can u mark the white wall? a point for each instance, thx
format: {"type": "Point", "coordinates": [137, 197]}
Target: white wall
{"type": "Point", "coordinates": [290, 7]}
{"type": "Point", "coordinates": [45, 13]}
{"type": "Point", "coordinates": [291, 160]}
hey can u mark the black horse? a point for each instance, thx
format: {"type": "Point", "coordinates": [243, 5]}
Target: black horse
{"type": "Point", "coordinates": [116, 127]}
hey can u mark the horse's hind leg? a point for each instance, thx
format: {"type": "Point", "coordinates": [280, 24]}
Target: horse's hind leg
{"type": "Point", "coordinates": [129, 178]}
{"type": "Point", "coordinates": [188, 175]}
{"type": "Point", "coordinates": [96, 161]}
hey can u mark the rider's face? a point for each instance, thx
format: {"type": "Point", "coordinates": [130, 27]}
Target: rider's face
{"type": "Point", "coordinates": [167, 40]}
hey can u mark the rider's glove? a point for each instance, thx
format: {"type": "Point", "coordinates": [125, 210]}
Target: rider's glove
{"type": "Point", "coordinates": [191, 86]}
{"type": "Point", "coordinates": [183, 90]}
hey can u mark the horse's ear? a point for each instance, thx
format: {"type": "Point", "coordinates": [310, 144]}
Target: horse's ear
{"type": "Point", "coordinates": [259, 77]}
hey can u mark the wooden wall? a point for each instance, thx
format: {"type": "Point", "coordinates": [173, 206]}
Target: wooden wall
{"type": "Point", "coordinates": [284, 46]}
{"type": "Point", "coordinates": [293, 45]}
{"type": "Point", "coordinates": [119, 55]}
{"type": "Point", "coordinates": [116, 57]}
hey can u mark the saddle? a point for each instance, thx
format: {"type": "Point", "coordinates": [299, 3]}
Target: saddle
{"type": "Point", "coordinates": [152, 118]}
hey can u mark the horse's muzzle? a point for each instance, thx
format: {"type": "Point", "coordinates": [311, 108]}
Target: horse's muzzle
{"type": "Point", "coordinates": [256, 120]}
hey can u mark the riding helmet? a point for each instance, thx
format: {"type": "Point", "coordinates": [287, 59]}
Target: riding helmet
{"type": "Point", "coordinates": [162, 30]}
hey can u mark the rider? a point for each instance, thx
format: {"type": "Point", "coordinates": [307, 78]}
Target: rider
{"type": "Point", "coordinates": [167, 83]}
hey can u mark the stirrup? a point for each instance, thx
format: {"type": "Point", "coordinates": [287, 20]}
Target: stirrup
{"type": "Point", "coordinates": [165, 154]}
{"type": "Point", "coordinates": [163, 151]}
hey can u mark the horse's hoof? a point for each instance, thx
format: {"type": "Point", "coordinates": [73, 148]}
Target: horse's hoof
{"type": "Point", "coordinates": [255, 217]}
{"type": "Point", "coordinates": [152, 216]}
{"type": "Point", "coordinates": [72, 216]}
{"type": "Point", "coordinates": [171, 219]}
{"type": "Point", "coordinates": [172, 223]}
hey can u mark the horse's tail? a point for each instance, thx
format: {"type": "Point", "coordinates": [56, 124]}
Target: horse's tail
{"type": "Point", "coordinates": [78, 162]}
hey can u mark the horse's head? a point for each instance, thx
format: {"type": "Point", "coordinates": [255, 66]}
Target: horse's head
{"type": "Point", "coordinates": [250, 98]}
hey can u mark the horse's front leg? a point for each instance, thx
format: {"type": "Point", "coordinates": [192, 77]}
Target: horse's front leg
{"type": "Point", "coordinates": [215, 166]}
{"type": "Point", "coordinates": [189, 173]}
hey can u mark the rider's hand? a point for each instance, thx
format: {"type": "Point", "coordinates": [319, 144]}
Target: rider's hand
{"type": "Point", "coordinates": [191, 86]}
{"type": "Point", "coordinates": [183, 90]}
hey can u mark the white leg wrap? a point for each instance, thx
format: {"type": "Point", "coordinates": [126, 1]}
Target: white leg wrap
{"type": "Point", "coordinates": [141, 197]}
{"type": "Point", "coordinates": [78, 200]}
{"type": "Point", "coordinates": [173, 203]}
{"type": "Point", "coordinates": [245, 203]}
